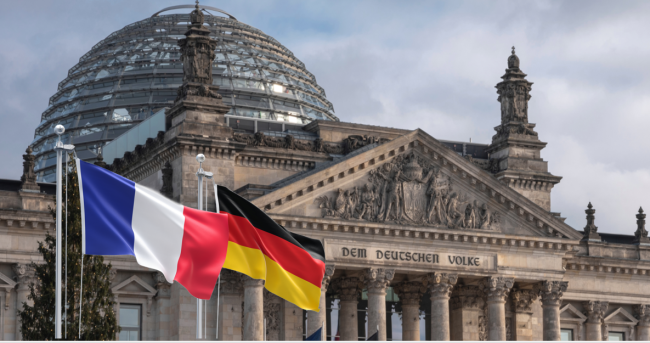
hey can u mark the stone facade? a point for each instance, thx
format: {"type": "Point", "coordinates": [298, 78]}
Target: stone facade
{"type": "Point", "coordinates": [467, 245]}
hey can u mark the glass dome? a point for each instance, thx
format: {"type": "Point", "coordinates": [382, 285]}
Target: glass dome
{"type": "Point", "coordinates": [135, 72]}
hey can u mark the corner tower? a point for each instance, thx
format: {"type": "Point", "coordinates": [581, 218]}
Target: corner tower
{"type": "Point", "coordinates": [515, 149]}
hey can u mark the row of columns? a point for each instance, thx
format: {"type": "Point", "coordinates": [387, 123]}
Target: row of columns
{"type": "Point", "coordinates": [494, 290]}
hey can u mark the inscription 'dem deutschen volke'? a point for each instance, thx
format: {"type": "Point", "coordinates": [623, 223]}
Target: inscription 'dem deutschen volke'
{"type": "Point", "coordinates": [408, 256]}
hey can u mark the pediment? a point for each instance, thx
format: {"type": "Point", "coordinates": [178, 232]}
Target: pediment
{"type": "Point", "coordinates": [413, 180]}
{"type": "Point", "coordinates": [621, 316]}
{"type": "Point", "coordinates": [570, 312]}
{"type": "Point", "coordinates": [6, 282]}
{"type": "Point", "coordinates": [134, 286]}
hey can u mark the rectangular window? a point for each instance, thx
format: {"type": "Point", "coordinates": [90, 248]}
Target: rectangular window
{"type": "Point", "coordinates": [566, 335]}
{"type": "Point", "coordinates": [130, 322]}
{"type": "Point", "coordinates": [615, 336]}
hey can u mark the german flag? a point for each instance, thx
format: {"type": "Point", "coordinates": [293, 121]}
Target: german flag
{"type": "Point", "coordinates": [292, 265]}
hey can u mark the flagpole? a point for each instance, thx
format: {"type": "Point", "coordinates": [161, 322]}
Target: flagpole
{"type": "Point", "coordinates": [199, 303]}
{"type": "Point", "coordinates": [60, 148]}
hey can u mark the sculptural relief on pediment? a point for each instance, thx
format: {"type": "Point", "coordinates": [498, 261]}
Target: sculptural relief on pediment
{"type": "Point", "coordinates": [409, 190]}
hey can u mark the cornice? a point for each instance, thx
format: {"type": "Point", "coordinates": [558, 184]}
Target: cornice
{"type": "Point", "coordinates": [352, 229]}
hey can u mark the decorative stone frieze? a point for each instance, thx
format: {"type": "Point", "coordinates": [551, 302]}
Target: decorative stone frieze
{"type": "Point", "coordinates": [348, 288]}
{"type": "Point", "coordinates": [327, 277]}
{"type": "Point", "coordinates": [410, 292]}
{"type": "Point", "coordinates": [410, 190]}
{"type": "Point", "coordinates": [496, 288]}
{"type": "Point", "coordinates": [595, 311]}
{"type": "Point", "coordinates": [441, 284]}
{"type": "Point", "coordinates": [378, 279]}
{"type": "Point", "coordinates": [25, 275]}
{"type": "Point", "coordinates": [231, 282]}
{"type": "Point", "coordinates": [522, 299]}
{"type": "Point", "coordinates": [466, 297]}
{"type": "Point", "coordinates": [552, 291]}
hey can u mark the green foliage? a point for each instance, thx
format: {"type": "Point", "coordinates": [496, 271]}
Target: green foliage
{"type": "Point", "coordinates": [98, 321]}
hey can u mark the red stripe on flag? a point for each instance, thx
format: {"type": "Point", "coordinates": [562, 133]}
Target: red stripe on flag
{"type": "Point", "coordinates": [290, 257]}
{"type": "Point", "coordinates": [203, 251]}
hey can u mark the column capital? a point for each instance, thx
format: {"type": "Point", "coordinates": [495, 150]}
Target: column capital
{"type": "Point", "coordinates": [249, 282]}
{"type": "Point", "coordinates": [466, 297]}
{"type": "Point", "coordinates": [327, 277]}
{"type": "Point", "coordinates": [25, 275]}
{"type": "Point", "coordinates": [595, 311]}
{"type": "Point", "coordinates": [441, 284]}
{"type": "Point", "coordinates": [642, 313]}
{"type": "Point", "coordinates": [410, 292]}
{"type": "Point", "coordinates": [231, 282]}
{"type": "Point", "coordinates": [522, 299]}
{"type": "Point", "coordinates": [496, 288]}
{"type": "Point", "coordinates": [161, 284]}
{"type": "Point", "coordinates": [348, 288]}
{"type": "Point", "coordinates": [377, 279]}
{"type": "Point", "coordinates": [552, 291]}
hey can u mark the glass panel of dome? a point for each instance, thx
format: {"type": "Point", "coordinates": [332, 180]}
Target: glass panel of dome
{"type": "Point", "coordinates": [163, 97]}
{"type": "Point", "coordinates": [254, 101]}
{"type": "Point", "coordinates": [313, 113]}
{"type": "Point", "coordinates": [91, 119]}
{"type": "Point", "coordinates": [248, 84]}
{"type": "Point", "coordinates": [286, 106]}
{"type": "Point", "coordinates": [169, 81]}
{"type": "Point", "coordinates": [243, 71]}
{"type": "Point", "coordinates": [221, 82]}
{"type": "Point", "coordinates": [120, 115]}
{"type": "Point", "coordinates": [131, 98]}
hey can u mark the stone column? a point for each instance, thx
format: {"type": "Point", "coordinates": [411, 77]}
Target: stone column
{"type": "Point", "coordinates": [642, 313]}
{"type": "Point", "coordinates": [253, 309]}
{"type": "Point", "coordinates": [595, 312]}
{"type": "Point", "coordinates": [522, 323]}
{"type": "Point", "coordinates": [466, 305]}
{"type": "Point", "coordinates": [348, 289]}
{"type": "Point", "coordinates": [551, 293]}
{"type": "Point", "coordinates": [230, 308]}
{"type": "Point", "coordinates": [440, 286]}
{"type": "Point", "coordinates": [410, 293]}
{"type": "Point", "coordinates": [376, 281]}
{"type": "Point", "coordinates": [162, 316]}
{"type": "Point", "coordinates": [316, 319]}
{"type": "Point", "coordinates": [25, 277]}
{"type": "Point", "coordinates": [496, 290]}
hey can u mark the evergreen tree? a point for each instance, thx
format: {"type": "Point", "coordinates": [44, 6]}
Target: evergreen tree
{"type": "Point", "coordinates": [98, 321]}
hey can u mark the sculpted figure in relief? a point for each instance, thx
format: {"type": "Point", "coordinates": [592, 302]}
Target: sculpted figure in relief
{"type": "Point", "coordinates": [408, 191]}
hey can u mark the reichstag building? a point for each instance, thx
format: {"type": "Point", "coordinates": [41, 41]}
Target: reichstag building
{"type": "Point", "coordinates": [425, 239]}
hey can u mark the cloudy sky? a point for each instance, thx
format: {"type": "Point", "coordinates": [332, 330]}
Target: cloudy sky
{"type": "Point", "coordinates": [408, 64]}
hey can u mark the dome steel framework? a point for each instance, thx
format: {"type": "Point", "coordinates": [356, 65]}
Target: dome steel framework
{"type": "Point", "coordinates": [135, 72]}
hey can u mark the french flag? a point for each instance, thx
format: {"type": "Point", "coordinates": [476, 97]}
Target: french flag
{"type": "Point", "coordinates": [120, 217]}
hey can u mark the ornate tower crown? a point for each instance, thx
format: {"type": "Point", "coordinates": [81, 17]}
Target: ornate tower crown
{"type": "Point", "coordinates": [513, 60]}
{"type": "Point", "coordinates": [196, 17]}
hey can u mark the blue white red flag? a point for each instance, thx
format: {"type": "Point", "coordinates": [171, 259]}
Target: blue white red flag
{"type": "Point", "coordinates": [120, 217]}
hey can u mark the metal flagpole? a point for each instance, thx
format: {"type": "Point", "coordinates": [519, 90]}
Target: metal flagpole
{"type": "Point", "coordinates": [216, 205]}
{"type": "Point", "coordinates": [65, 317]}
{"type": "Point", "coordinates": [60, 148]}
{"type": "Point", "coordinates": [323, 335]}
{"type": "Point", "coordinates": [199, 303]}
